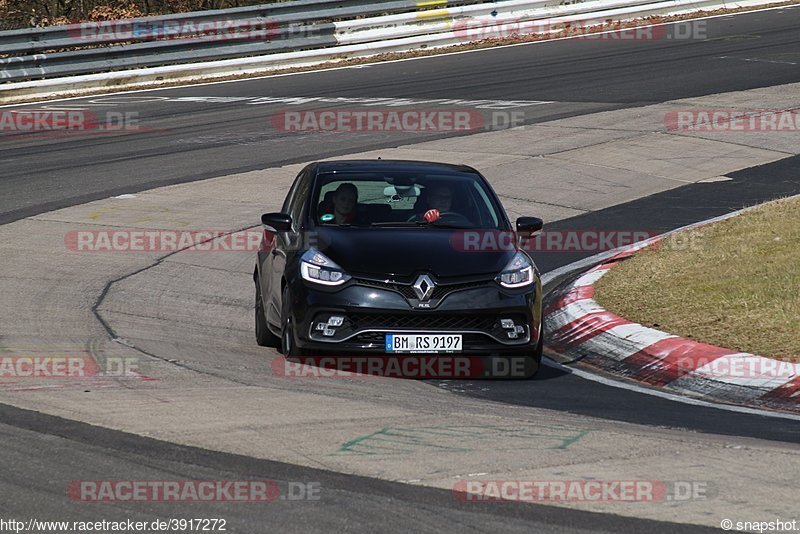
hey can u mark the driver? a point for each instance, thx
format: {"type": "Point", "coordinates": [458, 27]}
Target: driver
{"type": "Point", "coordinates": [440, 197]}
{"type": "Point", "coordinates": [438, 203]}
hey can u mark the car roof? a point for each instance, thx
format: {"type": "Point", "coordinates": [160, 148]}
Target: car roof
{"type": "Point", "coordinates": [389, 165]}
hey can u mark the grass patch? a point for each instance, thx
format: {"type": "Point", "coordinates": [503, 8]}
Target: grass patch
{"type": "Point", "coordinates": [735, 283]}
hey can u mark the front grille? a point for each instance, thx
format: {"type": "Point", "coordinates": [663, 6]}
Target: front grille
{"type": "Point", "coordinates": [443, 290]}
{"type": "Point", "coordinates": [407, 290]}
{"type": "Point", "coordinates": [404, 289]}
{"type": "Point", "coordinates": [426, 321]}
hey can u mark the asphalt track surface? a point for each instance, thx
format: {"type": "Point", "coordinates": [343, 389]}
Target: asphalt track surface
{"type": "Point", "coordinates": [38, 175]}
{"type": "Point", "coordinates": [33, 486]}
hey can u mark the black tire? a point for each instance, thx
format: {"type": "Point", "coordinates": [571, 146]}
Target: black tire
{"type": "Point", "coordinates": [264, 336]}
{"type": "Point", "coordinates": [288, 347]}
{"type": "Point", "coordinates": [537, 356]}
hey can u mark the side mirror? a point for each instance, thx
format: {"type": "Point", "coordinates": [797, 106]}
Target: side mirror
{"type": "Point", "coordinates": [529, 225]}
{"type": "Point", "coordinates": [277, 222]}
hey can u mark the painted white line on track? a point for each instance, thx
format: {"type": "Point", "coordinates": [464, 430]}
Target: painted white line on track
{"type": "Point", "coordinates": [664, 395]}
{"type": "Point", "coordinates": [756, 60]}
{"type": "Point", "coordinates": [317, 71]}
{"type": "Point", "coordinates": [364, 101]}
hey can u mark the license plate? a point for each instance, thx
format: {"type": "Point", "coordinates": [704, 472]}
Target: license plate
{"type": "Point", "coordinates": [423, 343]}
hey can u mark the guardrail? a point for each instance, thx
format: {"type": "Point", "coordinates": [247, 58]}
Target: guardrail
{"type": "Point", "coordinates": [185, 37]}
{"type": "Point", "coordinates": [299, 32]}
{"type": "Point", "coordinates": [27, 41]}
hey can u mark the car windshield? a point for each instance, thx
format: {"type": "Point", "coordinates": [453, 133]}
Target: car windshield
{"type": "Point", "coordinates": [452, 200]}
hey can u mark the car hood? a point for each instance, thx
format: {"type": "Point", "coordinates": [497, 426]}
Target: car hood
{"type": "Point", "coordinates": [403, 252]}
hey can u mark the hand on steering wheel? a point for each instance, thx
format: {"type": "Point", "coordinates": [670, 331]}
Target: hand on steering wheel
{"type": "Point", "coordinates": [435, 215]}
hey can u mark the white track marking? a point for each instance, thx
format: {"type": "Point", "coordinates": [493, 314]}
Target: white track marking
{"type": "Point", "coordinates": [664, 395]}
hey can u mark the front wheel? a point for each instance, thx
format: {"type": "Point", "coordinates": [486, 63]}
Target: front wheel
{"type": "Point", "coordinates": [264, 336]}
{"type": "Point", "coordinates": [519, 367]}
{"type": "Point", "coordinates": [536, 362]}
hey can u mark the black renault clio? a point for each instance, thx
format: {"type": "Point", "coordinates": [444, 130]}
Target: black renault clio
{"type": "Point", "coordinates": [396, 257]}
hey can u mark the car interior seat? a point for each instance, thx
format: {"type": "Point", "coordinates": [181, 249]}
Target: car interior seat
{"type": "Point", "coordinates": [326, 206]}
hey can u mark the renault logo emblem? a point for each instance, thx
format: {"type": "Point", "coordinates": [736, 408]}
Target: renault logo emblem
{"type": "Point", "coordinates": [423, 287]}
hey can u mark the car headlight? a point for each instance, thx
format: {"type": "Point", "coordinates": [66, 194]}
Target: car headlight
{"type": "Point", "coordinates": [318, 268]}
{"type": "Point", "coordinates": [518, 272]}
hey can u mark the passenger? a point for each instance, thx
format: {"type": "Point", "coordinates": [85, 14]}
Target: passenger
{"type": "Point", "coordinates": [344, 203]}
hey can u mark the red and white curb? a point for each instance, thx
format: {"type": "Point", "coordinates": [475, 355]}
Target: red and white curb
{"type": "Point", "coordinates": [580, 329]}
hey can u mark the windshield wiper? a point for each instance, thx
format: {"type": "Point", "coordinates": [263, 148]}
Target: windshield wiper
{"type": "Point", "coordinates": [414, 224]}
{"type": "Point", "coordinates": [400, 224]}
{"type": "Point", "coordinates": [449, 225]}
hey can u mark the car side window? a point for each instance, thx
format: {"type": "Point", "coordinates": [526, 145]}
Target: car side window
{"type": "Point", "coordinates": [297, 201]}
{"type": "Point", "coordinates": [290, 196]}
{"type": "Point", "coordinates": [292, 191]}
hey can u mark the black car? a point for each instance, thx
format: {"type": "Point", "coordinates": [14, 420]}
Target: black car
{"type": "Point", "coordinates": [395, 258]}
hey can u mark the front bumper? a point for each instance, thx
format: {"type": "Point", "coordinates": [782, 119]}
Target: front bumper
{"type": "Point", "coordinates": [369, 312]}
